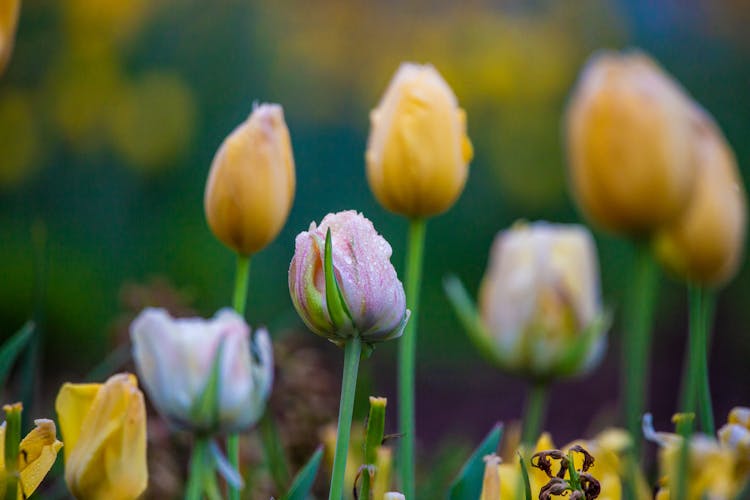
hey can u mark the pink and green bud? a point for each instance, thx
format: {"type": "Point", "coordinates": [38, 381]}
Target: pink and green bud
{"type": "Point", "coordinates": [364, 295]}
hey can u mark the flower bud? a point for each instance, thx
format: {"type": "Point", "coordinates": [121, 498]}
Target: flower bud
{"type": "Point", "coordinates": [104, 430]}
{"type": "Point", "coordinates": [628, 140]}
{"type": "Point", "coordinates": [175, 359]}
{"type": "Point", "coordinates": [250, 188]}
{"type": "Point", "coordinates": [418, 152]}
{"type": "Point", "coordinates": [539, 300]}
{"type": "Point", "coordinates": [369, 288]}
{"type": "Point", "coordinates": [704, 244]}
{"type": "Point", "coordinates": [9, 10]}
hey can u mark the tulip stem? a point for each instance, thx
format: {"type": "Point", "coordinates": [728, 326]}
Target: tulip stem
{"type": "Point", "coordinates": [705, 408]}
{"type": "Point", "coordinates": [198, 472]}
{"type": "Point", "coordinates": [239, 300]}
{"type": "Point", "coordinates": [352, 352]}
{"type": "Point", "coordinates": [533, 419]}
{"type": "Point", "coordinates": [636, 340]}
{"type": "Point", "coordinates": [697, 395]}
{"type": "Point", "coordinates": [241, 278]}
{"type": "Point", "coordinates": [407, 356]}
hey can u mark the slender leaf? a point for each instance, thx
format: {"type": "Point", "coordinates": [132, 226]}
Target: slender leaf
{"type": "Point", "coordinates": [335, 303]}
{"type": "Point", "coordinates": [11, 348]}
{"type": "Point", "coordinates": [468, 315]}
{"type": "Point", "coordinates": [525, 475]}
{"type": "Point", "coordinates": [300, 489]}
{"type": "Point", "coordinates": [468, 483]}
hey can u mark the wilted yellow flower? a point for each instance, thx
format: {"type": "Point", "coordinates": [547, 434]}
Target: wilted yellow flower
{"type": "Point", "coordinates": [716, 468]}
{"type": "Point", "coordinates": [9, 10]}
{"type": "Point", "coordinates": [250, 188]}
{"type": "Point", "coordinates": [36, 456]}
{"type": "Point", "coordinates": [629, 144]}
{"type": "Point", "coordinates": [418, 152]}
{"type": "Point", "coordinates": [104, 428]}
{"type": "Point", "coordinates": [704, 245]}
{"type": "Point", "coordinates": [504, 480]}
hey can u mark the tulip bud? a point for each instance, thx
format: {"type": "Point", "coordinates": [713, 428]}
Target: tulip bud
{"type": "Point", "coordinates": [250, 188]}
{"type": "Point", "coordinates": [9, 10]}
{"type": "Point", "coordinates": [629, 138]}
{"type": "Point", "coordinates": [369, 288]}
{"type": "Point", "coordinates": [175, 359]}
{"type": "Point", "coordinates": [704, 245]}
{"type": "Point", "coordinates": [539, 300]}
{"type": "Point", "coordinates": [104, 430]}
{"type": "Point", "coordinates": [418, 152]}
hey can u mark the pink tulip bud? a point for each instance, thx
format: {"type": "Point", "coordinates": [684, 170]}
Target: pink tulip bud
{"type": "Point", "coordinates": [370, 290]}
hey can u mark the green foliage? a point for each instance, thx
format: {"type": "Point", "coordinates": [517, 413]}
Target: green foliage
{"type": "Point", "coordinates": [12, 348]}
{"type": "Point", "coordinates": [468, 483]}
{"type": "Point", "coordinates": [300, 489]}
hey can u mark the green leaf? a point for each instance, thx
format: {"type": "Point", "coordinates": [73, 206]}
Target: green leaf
{"type": "Point", "coordinates": [206, 407]}
{"type": "Point", "coordinates": [300, 489]}
{"type": "Point", "coordinates": [571, 359]}
{"type": "Point", "coordinates": [12, 347]}
{"type": "Point", "coordinates": [335, 303]}
{"type": "Point", "coordinates": [468, 315]}
{"type": "Point", "coordinates": [468, 483]}
{"type": "Point", "coordinates": [525, 476]}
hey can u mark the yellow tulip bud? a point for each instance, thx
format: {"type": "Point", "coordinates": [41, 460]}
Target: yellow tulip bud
{"type": "Point", "coordinates": [9, 10]}
{"type": "Point", "coordinates": [705, 243]}
{"type": "Point", "coordinates": [628, 139]}
{"type": "Point", "coordinates": [250, 188]}
{"type": "Point", "coordinates": [104, 429]}
{"type": "Point", "coordinates": [418, 152]}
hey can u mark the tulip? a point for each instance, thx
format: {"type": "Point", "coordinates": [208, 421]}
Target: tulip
{"type": "Point", "coordinates": [629, 144]}
{"type": "Point", "coordinates": [250, 187]}
{"type": "Point", "coordinates": [175, 359]}
{"type": "Point", "coordinates": [370, 290]}
{"type": "Point", "coordinates": [36, 454]}
{"type": "Point", "coordinates": [539, 301]}
{"type": "Point", "coordinates": [418, 152]}
{"type": "Point", "coordinates": [715, 468]}
{"type": "Point", "coordinates": [9, 10]}
{"type": "Point", "coordinates": [704, 245]}
{"type": "Point", "coordinates": [504, 480]}
{"type": "Point", "coordinates": [104, 428]}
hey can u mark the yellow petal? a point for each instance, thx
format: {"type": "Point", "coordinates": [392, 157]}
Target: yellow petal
{"type": "Point", "coordinates": [72, 404]}
{"type": "Point", "coordinates": [37, 454]}
{"type": "Point", "coordinates": [108, 458]}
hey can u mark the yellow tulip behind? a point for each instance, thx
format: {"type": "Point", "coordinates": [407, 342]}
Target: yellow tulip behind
{"type": "Point", "coordinates": [104, 430]}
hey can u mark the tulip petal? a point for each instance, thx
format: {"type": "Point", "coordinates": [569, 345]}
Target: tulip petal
{"type": "Point", "coordinates": [108, 459]}
{"type": "Point", "coordinates": [72, 405]}
{"type": "Point", "coordinates": [37, 454]}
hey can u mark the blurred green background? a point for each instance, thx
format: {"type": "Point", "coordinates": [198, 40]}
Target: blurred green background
{"type": "Point", "coordinates": [111, 111]}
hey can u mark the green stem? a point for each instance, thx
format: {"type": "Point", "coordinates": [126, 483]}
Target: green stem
{"type": "Point", "coordinates": [198, 462]}
{"type": "Point", "coordinates": [407, 356]}
{"type": "Point", "coordinates": [536, 407]}
{"type": "Point", "coordinates": [239, 299]}
{"type": "Point", "coordinates": [696, 351]}
{"type": "Point", "coordinates": [705, 408]}
{"type": "Point", "coordinates": [636, 339]}
{"type": "Point", "coordinates": [241, 278]}
{"type": "Point", "coordinates": [352, 352]}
